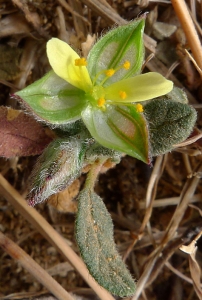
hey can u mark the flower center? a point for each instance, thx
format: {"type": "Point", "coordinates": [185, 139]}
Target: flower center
{"type": "Point", "coordinates": [97, 94]}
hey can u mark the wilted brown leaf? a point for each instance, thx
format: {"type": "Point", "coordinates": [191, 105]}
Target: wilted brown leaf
{"type": "Point", "coordinates": [63, 201]}
{"type": "Point", "coordinates": [193, 265]}
{"type": "Point", "coordinates": [21, 135]}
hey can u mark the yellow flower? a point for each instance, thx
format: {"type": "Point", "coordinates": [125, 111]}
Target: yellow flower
{"type": "Point", "coordinates": [67, 64]}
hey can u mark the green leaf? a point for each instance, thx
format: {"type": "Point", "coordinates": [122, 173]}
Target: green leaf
{"type": "Point", "coordinates": [119, 127]}
{"type": "Point", "coordinates": [117, 46]}
{"type": "Point", "coordinates": [59, 165]}
{"type": "Point", "coordinates": [169, 123]}
{"type": "Point", "coordinates": [53, 100]}
{"type": "Point", "coordinates": [94, 234]}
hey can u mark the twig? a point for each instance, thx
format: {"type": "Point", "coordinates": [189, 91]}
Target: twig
{"type": "Point", "coordinates": [189, 29]}
{"type": "Point", "coordinates": [178, 273]}
{"type": "Point", "coordinates": [69, 9]}
{"type": "Point", "coordinates": [194, 62]}
{"type": "Point", "coordinates": [151, 190]}
{"type": "Point", "coordinates": [32, 267]}
{"type": "Point", "coordinates": [170, 201]}
{"type": "Point", "coordinates": [103, 9]}
{"type": "Point", "coordinates": [31, 17]}
{"type": "Point", "coordinates": [51, 235]}
{"type": "Point", "coordinates": [155, 65]}
{"type": "Point", "coordinates": [188, 141]}
{"type": "Point", "coordinates": [186, 194]}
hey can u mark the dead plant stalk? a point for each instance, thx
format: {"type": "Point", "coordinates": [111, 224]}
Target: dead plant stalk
{"type": "Point", "coordinates": [189, 29]}
{"type": "Point", "coordinates": [33, 268]}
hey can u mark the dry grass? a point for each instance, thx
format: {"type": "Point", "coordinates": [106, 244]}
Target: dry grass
{"type": "Point", "coordinates": [152, 206]}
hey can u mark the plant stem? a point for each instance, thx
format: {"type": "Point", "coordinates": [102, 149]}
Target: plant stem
{"type": "Point", "coordinates": [93, 173]}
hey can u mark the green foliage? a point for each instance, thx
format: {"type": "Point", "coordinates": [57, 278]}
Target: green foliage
{"type": "Point", "coordinates": [94, 234]}
{"type": "Point", "coordinates": [121, 128]}
{"type": "Point", "coordinates": [96, 151]}
{"type": "Point", "coordinates": [53, 100]}
{"type": "Point", "coordinates": [169, 123]}
{"type": "Point", "coordinates": [177, 95]}
{"type": "Point", "coordinates": [118, 45]}
{"type": "Point", "coordinates": [97, 116]}
{"type": "Point", "coordinates": [59, 165]}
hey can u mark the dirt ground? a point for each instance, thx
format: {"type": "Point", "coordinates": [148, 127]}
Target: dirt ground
{"type": "Point", "coordinates": [155, 208]}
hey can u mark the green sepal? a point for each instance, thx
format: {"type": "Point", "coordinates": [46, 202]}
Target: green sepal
{"type": "Point", "coordinates": [177, 95]}
{"type": "Point", "coordinates": [66, 130]}
{"type": "Point", "coordinates": [94, 234]}
{"type": "Point", "coordinates": [53, 100]}
{"type": "Point", "coordinates": [58, 166]}
{"type": "Point", "coordinates": [169, 123]}
{"type": "Point", "coordinates": [120, 128]}
{"type": "Point", "coordinates": [112, 50]}
{"type": "Point", "coordinates": [96, 151]}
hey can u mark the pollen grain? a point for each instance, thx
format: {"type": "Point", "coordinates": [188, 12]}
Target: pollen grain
{"type": "Point", "coordinates": [126, 65]}
{"type": "Point", "coordinates": [101, 102]}
{"type": "Point", "coordinates": [80, 62]}
{"type": "Point", "coordinates": [122, 94]}
{"type": "Point", "coordinates": [110, 72]}
{"type": "Point", "coordinates": [139, 108]}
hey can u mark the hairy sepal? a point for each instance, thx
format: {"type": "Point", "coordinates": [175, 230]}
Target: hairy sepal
{"type": "Point", "coordinates": [94, 234]}
{"type": "Point", "coordinates": [125, 43]}
{"type": "Point", "coordinates": [59, 165]}
{"type": "Point", "coordinates": [169, 123]}
{"type": "Point", "coordinates": [53, 100]}
{"type": "Point", "coordinates": [120, 128]}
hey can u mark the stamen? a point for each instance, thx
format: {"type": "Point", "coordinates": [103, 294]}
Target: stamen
{"type": "Point", "coordinates": [110, 72]}
{"type": "Point", "coordinates": [80, 62]}
{"type": "Point", "coordinates": [123, 95]}
{"type": "Point", "coordinates": [126, 65]}
{"type": "Point", "coordinates": [139, 108]}
{"type": "Point", "coordinates": [101, 102]}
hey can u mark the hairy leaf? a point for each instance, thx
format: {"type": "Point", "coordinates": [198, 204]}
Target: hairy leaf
{"type": "Point", "coordinates": [94, 233]}
{"type": "Point", "coordinates": [59, 165]}
{"type": "Point", "coordinates": [21, 135]}
{"type": "Point", "coordinates": [169, 123]}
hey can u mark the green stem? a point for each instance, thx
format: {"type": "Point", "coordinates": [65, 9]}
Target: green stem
{"type": "Point", "coordinates": [93, 173]}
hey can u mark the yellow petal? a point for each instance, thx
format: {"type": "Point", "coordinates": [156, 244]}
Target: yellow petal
{"type": "Point", "coordinates": [62, 59]}
{"type": "Point", "coordinates": [139, 88]}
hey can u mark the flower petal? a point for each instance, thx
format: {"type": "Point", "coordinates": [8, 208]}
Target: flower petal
{"type": "Point", "coordinates": [139, 88]}
{"type": "Point", "coordinates": [119, 127]}
{"type": "Point", "coordinates": [53, 100]}
{"type": "Point", "coordinates": [62, 59]}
